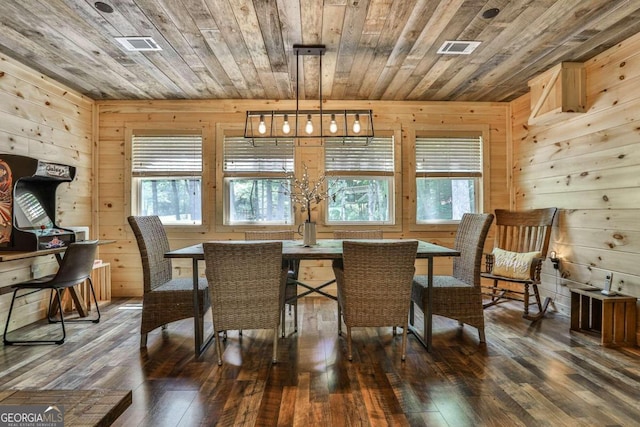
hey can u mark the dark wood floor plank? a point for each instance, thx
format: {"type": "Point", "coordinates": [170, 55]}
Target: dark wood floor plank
{"type": "Point", "coordinates": [449, 407]}
{"type": "Point", "coordinates": [431, 419]}
{"type": "Point", "coordinates": [375, 397]}
{"type": "Point", "coordinates": [170, 408]}
{"type": "Point", "coordinates": [407, 400]}
{"type": "Point", "coordinates": [302, 407]}
{"type": "Point", "coordinates": [526, 375]}
{"type": "Point", "coordinates": [270, 405]}
{"type": "Point", "coordinates": [250, 403]}
{"type": "Point", "coordinates": [278, 407]}
{"type": "Point", "coordinates": [345, 411]}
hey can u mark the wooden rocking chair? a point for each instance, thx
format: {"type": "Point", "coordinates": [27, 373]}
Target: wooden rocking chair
{"type": "Point", "coordinates": [520, 247]}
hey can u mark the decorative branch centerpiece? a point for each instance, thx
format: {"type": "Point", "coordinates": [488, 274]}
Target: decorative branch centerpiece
{"type": "Point", "coordinates": [304, 192]}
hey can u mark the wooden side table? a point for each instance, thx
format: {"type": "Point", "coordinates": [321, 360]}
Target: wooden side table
{"type": "Point", "coordinates": [613, 316]}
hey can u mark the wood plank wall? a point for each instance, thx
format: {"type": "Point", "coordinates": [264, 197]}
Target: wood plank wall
{"type": "Point", "coordinates": [585, 165]}
{"type": "Point", "coordinates": [41, 118]}
{"type": "Point", "coordinates": [399, 118]}
{"type": "Point", "coordinates": [589, 167]}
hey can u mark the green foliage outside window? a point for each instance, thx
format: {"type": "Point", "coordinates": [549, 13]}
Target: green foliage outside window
{"type": "Point", "coordinates": [174, 200]}
{"type": "Point", "coordinates": [359, 200]}
{"type": "Point", "coordinates": [261, 200]}
{"type": "Point", "coordinates": [444, 198]}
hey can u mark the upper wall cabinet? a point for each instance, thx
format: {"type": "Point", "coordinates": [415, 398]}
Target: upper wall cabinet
{"type": "Point", "coordinates": [558, 93]}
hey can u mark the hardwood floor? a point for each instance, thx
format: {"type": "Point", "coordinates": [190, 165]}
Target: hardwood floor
{"type": "Point", "coordinates": [525, 375]}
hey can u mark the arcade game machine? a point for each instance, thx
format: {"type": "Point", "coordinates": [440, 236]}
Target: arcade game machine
{"type": "Point", "coordinates": [28, 204]}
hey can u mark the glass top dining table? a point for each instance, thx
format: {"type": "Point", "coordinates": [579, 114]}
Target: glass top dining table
{"type": "Point", "coordinates": [324, 249]}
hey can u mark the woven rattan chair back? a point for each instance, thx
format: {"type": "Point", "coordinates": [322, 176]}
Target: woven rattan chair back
{"type": "Point", "coordinates": [357, 234]}
{"type": "Point", "coordinates": [457, 296]}
{"type": "Point", "coordinates": [470, 238]}
{"type": "Point", "coordinates": [354, 235]}
{"type": "Point", "coordinates": [269, 235]}
{"type": "Point", "coordinates": [291, 291]}
{"type": "Point", "coordinates": [153, 244]}
{"type": "Point", "coordinates": [246, 286]}
{"type": "Point", "coordinates": [374, 285]}
{"type": "Point", "coordinates": [165, 299]}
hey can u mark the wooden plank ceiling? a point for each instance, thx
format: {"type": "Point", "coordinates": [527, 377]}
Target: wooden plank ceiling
{"type": "Point", "coordinates": [375, 49]}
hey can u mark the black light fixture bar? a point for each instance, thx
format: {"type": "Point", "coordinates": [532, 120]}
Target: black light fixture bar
{"type": "Point", "coordinates": [348, 125]}
{"type": "Point", "coordinates": [354, 125]}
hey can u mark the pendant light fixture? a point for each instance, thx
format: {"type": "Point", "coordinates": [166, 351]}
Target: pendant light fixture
{"type": "Point", "coordinates": [349, 126]}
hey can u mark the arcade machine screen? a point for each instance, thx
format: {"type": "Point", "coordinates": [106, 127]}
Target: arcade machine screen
{"type": "Point", "coordinates": [27, 196]}
{"type": "Point", "coordinates": [31, 215]}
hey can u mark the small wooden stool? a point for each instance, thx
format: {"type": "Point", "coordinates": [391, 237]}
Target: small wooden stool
{"type": "Point", "coordinates": [614, 316]}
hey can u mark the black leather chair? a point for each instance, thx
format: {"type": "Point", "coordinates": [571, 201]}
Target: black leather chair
{"type": "Point", "coordinates": [75, 268]}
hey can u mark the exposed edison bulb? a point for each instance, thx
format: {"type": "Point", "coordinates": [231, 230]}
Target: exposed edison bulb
{"type": "Point", "coordinates": [308, 128]}
{"type": "Point", "coordinates": [262, 128]}
{"type": "Point", "coordinates": [333, 126]}
{"type": "Point", "coordinates": [286, 128]}
{"type": "Point", "coordinates": [356, 124]}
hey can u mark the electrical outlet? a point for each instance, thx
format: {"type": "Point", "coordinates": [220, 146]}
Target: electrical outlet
{"type": "Point", "coordinates": [608, 279]}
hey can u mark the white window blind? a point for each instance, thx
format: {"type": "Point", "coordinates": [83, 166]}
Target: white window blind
{"type": "Point", "coordinates": [269, 156]}
{"type": "Point", "coordinates": [166, 154]}
{"type": "Point", "coordinates": [377, 156]}
{"type": "Point", "coordinates": [449, 156]}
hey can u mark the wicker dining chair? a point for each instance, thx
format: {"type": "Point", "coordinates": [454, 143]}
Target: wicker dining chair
{"type": "Point", "coordinates": [458, 296]}
{"type": "Point", "coordinates": [291, 290]}
{"type": "Point", "coordinates": [246, 285]}
{"type": "Point", "coordinates": [337, 263]}
{"type": "Point", "coordinates": [374, 285]}
{"type": "Point", "coordinates": [75, 268]}
{"type": "Point", "coordinates": [165, 299]}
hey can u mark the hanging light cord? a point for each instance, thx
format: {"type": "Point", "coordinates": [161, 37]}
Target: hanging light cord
{"type": "Point", "coordinates": [297, 88]}
{"type": "Point", "coordinates": [320, 94]}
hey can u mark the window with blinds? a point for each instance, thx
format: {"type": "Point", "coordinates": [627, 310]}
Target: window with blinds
{"type": "Point", "coordinates": [166, 171]}
{"type": "Point", "coordinates": [346, 156]}
{"type": "Point", "coordinates": [256, 187]}
{"type": "Point", "coordinates": [362, 179]}
{"type": "Point", "coordinates": [269, 156]}
{"type": "Point", "coordinates": [448, 177]}
{"type": "Point", "coordinates": [449, 156]}
{"type": "Point", "coordinates": [166, 154]}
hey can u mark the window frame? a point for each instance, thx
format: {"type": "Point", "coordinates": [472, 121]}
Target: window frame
{"type": "Point", "coordinates": [366, 224]}
{"type": "Point", "coordinates": [411, 176]}
{"type": "Point", "coordinates": [221, 200]}
{"type": "Point", "coordinates": [251, 224]}
{"type": "Point", "coordinates": [132, 184]}
{"type": "Point", "coordinates": [395, 193]}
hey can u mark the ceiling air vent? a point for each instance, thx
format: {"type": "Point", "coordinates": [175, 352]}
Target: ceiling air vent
{"type": "Point", "coordinates": [138, 44]}
{"type": "Point", "coordinates": [458, 47]}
